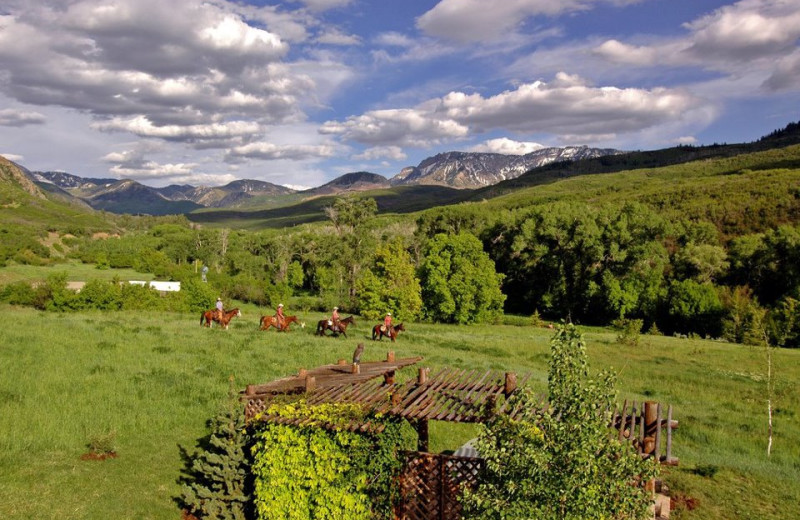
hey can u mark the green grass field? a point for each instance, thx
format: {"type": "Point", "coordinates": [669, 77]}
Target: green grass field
{"type": "Point", "coordinates": [76, 271]}
{"type": "Point", "coordinates": [154, 379]}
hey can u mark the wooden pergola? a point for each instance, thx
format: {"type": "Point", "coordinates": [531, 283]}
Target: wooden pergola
{"type": "Point", "coordinates": [430, 482]}
{"type": "Point", "coordinates": [447, 395]}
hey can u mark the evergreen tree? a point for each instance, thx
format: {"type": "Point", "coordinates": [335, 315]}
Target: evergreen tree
{"type": "Point", "coordinates": [217, 482]}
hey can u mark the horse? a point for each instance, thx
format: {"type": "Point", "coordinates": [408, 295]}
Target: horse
{"type": "Point", "coordinates": [211, 315]}
{"type": "Point", "coordinates": [272, 321]}
{"type": "Point", "coordinates": [392, 333]}
{"type": "Point", "coordinates": [324, 325]}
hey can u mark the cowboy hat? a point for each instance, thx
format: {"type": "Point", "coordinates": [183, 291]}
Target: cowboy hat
{"type": "Point", "coordinates": [280, 305]}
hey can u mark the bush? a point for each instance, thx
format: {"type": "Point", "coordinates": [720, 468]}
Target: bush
{"type": "Point", "coordinates": [560, 463]}
{"type": "Point", "coordinates": [629, 330]}
{"type": "Point", "coordinates": [326, 474]}
{"type": "Point", "coordinates": [18, 293]}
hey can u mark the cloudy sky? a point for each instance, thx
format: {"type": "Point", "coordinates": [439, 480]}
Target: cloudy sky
{"type": "Point", "coordinates": [302, 91]}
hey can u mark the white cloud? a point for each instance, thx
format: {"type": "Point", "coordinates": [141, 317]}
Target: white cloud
{"type": "Point", "coordinates": [786, 74]}
{"type": "Point", "coordinates": [12, 157]}
{"type": "Point", "coordinates": [507, 146]}
{"type": "Point", "coordinates": [405, 127]}
{"type": "Point", "coordinates": [153, 170]}
{"type": "Point", "coordinates": [394, 153]}
{"type": "Point", "coordinates": [212, 133]}
{"type": "Point", "coordinates": [270, 152]}
{"type": "Point", "coordinates": [333, 36]}
{"type": "Point", "coordinates": [565, 106]}
{"type": "Point", "coordinates": [14, 117]}
{"type": "Point", "coordinates": [297, 187]}
{"type": "Point", "coordinates": [749, 37]}
{"type": "Point", "coordinates": [474, 20]}
{"type": "Point", "coordinates": [181, 70]}
{"type": "Point", "coordinates": [324, 5]}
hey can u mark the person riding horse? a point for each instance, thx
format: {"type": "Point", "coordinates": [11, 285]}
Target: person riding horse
{"type": "Point", "coordinates": [387, 322]}
{"type": "Point", "coordinates": [220, 311]}
{"type": "Point", "coordinates": [334, 321]}
{"type": "Point", "coordinates": [279, 317]}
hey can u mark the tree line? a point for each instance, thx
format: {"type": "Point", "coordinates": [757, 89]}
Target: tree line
{"type": "Point", "coordinates": [586, 262]}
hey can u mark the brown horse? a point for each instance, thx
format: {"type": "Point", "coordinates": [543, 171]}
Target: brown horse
{"type": "Point", "coordinates": [392, 333]}
{"type": "Point", "coordinates": [324, 325]}
{"type": "Point", "coordinates": [211, 315]}
{"type": "Point", "coordinates": [272, 321]}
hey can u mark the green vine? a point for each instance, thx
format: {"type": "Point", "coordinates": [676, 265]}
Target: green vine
{"type": "Point", "coordinates": [323, 471]}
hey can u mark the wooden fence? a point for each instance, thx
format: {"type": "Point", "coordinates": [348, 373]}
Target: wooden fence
{"type": "Point", "coordinates": [645, 426]}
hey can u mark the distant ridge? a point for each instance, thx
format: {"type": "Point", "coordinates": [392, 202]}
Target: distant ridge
{"type": "Point", "coordinates": [789, 135]}
{"type": "Point", "coordinates": [477, 170]}
{"type": "Point", "coordinates": [356, 181]}
{"type": "Point", "coordinates": [129, 196]}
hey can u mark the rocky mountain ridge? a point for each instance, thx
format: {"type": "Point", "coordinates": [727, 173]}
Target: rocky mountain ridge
{"type": "Point", "coordinates": [476, 169]}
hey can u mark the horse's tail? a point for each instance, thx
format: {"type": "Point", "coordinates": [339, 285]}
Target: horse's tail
{"type": "Point", "coordinates": [202, 317]}
{"type": "Point", "coordinates": [374, 333]}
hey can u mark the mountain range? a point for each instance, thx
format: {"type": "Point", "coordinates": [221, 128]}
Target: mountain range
{"type": "Point", "coordinates": [462, 170]}
{"type": "Point", "coordinates": [473, 170]}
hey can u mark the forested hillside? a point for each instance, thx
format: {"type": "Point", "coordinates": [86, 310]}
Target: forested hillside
{"type": "Point", "coordinates": [708, 247]}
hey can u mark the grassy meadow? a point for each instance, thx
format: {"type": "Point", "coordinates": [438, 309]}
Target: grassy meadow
{"type": "Point", "coordinates": [154, 379]}
{"type": "Point", "coordinates": [76, 271]}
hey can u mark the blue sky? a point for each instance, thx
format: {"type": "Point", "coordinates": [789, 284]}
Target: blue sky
{"type": "Point", "coordinates": [300, 92]}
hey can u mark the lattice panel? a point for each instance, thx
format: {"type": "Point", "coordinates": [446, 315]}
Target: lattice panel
{"type": "Point", "coordinates": [430, 485]}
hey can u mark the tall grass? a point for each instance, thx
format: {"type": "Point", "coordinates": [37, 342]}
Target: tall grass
{"type": "Point", "coordinates": [154, 379]}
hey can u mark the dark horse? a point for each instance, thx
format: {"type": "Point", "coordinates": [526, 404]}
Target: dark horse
{"type": "Point", "coordinates": [324, 325]}
{"type": "Point", "coordinates": [227, 316]}
{"type": "Point", "coordinates": [272, 321]}
{"type": "Point", "coordinates": [392, 333]}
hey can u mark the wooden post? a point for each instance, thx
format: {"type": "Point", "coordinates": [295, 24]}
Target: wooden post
{"type": "Point", "coordinates": [356, 368]}
{"type": "Point", "coordinates": [622, 418]}
{"type": "Point", "coordinates": [422, 376]}
{"type": "Point", "coordinates": [388, 378]}
{"type": "Point", "coordinates": [311, 383]}
{"type": "Point", "coordinates": [422, 435]}
{"type": "Point", "coordinates": [250, 389]}
{"type": "Point", "coordinates": [341, 362]}
{"type": "Point", "coordinates": [302, 373]}
{"type": "Point", "coordinates": [658, 433]}
{"type": "Point", "coordinates": [390, 356]}
{"type": "Point", "coordinates": [650, 411]}
{"type": "Point", "coordinates": [669, 434]}
{"type": "Point", "coordinates": [511, 384]}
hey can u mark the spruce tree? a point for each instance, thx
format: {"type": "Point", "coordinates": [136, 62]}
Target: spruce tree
{"type": "Point", "coordinates": [217, 482]}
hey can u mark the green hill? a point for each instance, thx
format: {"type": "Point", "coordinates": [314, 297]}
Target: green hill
{"type": "Point", "coordinates": [33, 220]}
{"type": "Point", "coordinates": [399, 200]}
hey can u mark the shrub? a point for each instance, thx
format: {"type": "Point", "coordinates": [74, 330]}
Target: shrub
{"type": "Point", "coordinates": [629, 330]}
{"type": "Point", "coordinates": [560, 463]}
{"type": "Point", "coordinates": [332, 473]}
{"type": "Point", "coordinates": [18, 293]}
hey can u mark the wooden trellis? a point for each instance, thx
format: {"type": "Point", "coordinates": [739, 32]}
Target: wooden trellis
{"type": "Point", "coordinates": [430, 484]}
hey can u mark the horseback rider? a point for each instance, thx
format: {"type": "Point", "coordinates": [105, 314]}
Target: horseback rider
{"type": "Point", "coordinates": [387, 322]}
{"type": "Point", "coordinates": [219, 309]}
{"type": "Point", "coordinates": [334, 321]}
{"type": "Point", "coordinates": [279, 318]}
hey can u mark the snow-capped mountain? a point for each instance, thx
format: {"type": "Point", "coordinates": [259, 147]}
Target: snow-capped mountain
{"type": "Point", "coordinates": [476, 170]}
